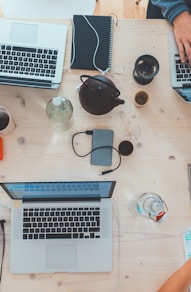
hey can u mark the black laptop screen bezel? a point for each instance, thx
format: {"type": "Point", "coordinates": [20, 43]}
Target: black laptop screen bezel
{"type": "Point", "coordinates": [36, 199]}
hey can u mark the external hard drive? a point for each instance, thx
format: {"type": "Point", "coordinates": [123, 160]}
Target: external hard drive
{"type": "Point", "coordinates": [103, 156]}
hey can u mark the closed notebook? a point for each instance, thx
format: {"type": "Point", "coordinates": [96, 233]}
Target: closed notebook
{"type": "Point", "coordinates": [86, 41]}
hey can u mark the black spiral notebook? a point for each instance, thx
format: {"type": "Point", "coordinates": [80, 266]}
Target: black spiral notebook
{"type": "Point", "coordinates": [86, 41]}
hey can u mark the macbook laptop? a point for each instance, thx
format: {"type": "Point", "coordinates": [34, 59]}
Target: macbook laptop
{"type": "Point", "coordinates": [61, 226]}
{"type": "Point", "coordinates": [180, 73]}
{"type": "Point", "coordinates": [31, 54]}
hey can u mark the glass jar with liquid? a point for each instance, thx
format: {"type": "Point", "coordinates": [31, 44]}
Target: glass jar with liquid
{"type": "Point", "coordinates": [152, 206]}
{"type": "Point", "coordinates": [60, 112]}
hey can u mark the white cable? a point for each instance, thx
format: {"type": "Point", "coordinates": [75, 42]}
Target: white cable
{"type": "Point", "coordinates": [6, 206]}
{"type": "Point", "coordinates": [73, 46]}
{"type": "Point", "coordinates": [96, 49]}
{"type": "Point", "coordinates": [98, 43]}
{"type": "Point", "coordinates": [103, 72]}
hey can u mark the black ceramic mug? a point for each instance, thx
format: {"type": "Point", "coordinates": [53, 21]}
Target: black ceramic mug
{"type": "Point", "coordinates": [146, 68]}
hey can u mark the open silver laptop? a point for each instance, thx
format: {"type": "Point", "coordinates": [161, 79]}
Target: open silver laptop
{"type": "Point", "coordinates": [61, 226]}
{"type": "Point", "coordinates": [31, 54]}
{"type": "Point", "coordinates": [180, 73]}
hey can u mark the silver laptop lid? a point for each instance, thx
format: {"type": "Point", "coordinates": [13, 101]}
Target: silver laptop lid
{"type": "Point", "coordinates": [180, 73]}
{"type": "Point", "coordinates": [54, 191]}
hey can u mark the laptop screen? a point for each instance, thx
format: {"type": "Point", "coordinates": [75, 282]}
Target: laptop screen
{"type": "Point", "coordinates": [59, 190]}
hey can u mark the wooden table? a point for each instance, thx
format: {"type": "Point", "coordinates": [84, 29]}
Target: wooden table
{"type": "Point", "coordinates": [145, 253]}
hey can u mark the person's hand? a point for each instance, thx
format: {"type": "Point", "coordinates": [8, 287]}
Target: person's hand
{"type": "Point", "coordinates": [179, 281]}
{"type": "Point", "coordinates": [182, 32]}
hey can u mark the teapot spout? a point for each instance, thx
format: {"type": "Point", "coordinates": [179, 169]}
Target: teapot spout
{"type": "Point", "coordinates": [119, 101]}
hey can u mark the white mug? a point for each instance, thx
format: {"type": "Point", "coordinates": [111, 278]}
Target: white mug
{"type": "Point", "coordinates": [6, 122]}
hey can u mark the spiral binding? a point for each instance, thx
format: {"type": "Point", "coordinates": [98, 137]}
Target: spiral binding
{"type": "Point", "coordinates": [110, 44]}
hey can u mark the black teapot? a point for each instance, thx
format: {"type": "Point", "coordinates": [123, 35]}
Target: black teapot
{"type": "Point", "coordinates": [98, 95]}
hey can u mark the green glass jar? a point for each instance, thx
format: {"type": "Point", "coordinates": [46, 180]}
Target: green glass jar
{"type": "Point", "coordinates": [60, 112]}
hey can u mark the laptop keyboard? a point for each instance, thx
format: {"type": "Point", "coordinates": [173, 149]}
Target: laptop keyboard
{"type": "Point", "coordinates": [57, 223]}
{"type": "Point", "coordinates": [28, 61]}
{"type": "Point", "coordinates": [183, 71]}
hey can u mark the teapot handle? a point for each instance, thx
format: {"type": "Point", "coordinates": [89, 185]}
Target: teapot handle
{"type": "Point", "coordinates": [97, 79]}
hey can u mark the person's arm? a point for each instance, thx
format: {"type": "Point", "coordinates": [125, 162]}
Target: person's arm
{"type": "Point", "coordinates": [179, 281]}
{"type": "Point", "coordinates": [171, 9]}
{"type": "Point", "coordinates": [178, 14]}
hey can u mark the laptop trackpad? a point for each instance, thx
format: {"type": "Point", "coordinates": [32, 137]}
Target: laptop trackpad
{"type": "Point", "coordinates": [24, 33]}
{"type": "Point", "coordinates": [61, 256]}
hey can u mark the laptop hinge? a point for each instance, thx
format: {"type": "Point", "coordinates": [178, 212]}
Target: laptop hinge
{"type": "Point", "coordinates": [187, 85]}
{"type": "Point", "coordinates": [57, 200]}
{"type": "Point", "coordinates": [6, 80]}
